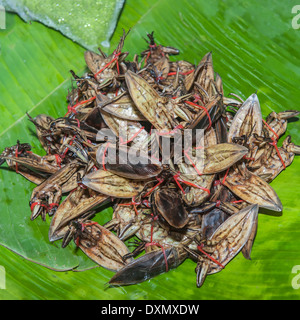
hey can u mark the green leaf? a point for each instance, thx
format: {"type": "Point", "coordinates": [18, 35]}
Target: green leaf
{"type": "Point", "coordinates": [254, 48]}
{"type": "Point", "coordinates": [32, 79]}
{"type": "Point", "coordinates": [90, 23]}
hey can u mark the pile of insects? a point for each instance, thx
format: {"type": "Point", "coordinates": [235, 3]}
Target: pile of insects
{"type": "Point", "coordinates": [122, 144]}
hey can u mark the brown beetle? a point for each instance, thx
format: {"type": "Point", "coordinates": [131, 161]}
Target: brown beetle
{"type": "Point", "coordinates": [168, 204]}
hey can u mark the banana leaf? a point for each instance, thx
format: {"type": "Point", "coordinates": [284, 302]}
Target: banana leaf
{"type": "Point", "coordinates": [254, 48]}
{"type": "Point", "coordinates": [89, 23]}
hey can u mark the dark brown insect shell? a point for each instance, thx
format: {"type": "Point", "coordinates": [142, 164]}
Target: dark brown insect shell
{"type": "Point", "coordinates": [115, 158]}
{"type": "Point", "coordinates": [211, 221]}
{"type": "Point", "coordinates": [168, 206]}
{"type": "Point", "coordinates": [94, 119]}
{"type": "Point", "coordinates": [78, 233]}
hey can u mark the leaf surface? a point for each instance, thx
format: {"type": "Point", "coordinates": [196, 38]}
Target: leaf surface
{"type": "Point", "coordinates": [254, 49]}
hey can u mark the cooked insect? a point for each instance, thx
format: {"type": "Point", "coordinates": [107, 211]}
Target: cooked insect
{"type": "Point", "coordinates": [184, 168]}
